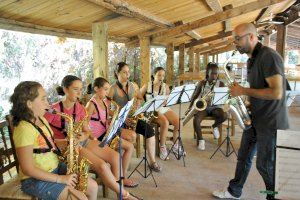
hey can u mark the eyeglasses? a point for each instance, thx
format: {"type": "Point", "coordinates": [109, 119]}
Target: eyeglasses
{"type": "Point", "coordinates": [238, 38]}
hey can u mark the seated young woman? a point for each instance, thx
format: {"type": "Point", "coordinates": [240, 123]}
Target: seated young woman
{"type": "Point", "coordinates": [98, 109]}
{"type": "Point", "coordinates": [165, 114]}
{"type": "Point", "coordinates": [123, 91]}
{"type": "Point", "coordinates": [72, 89]}
{"type": "Point", "coordinates": [42, 175]}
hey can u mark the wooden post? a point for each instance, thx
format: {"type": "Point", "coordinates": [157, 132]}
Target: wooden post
{"type": "Point", "coordinates": [197, 62]}
{"type": "Point", "coordinates": [205, 60]}
{"type": "Point", "coordinates": [191, 59]}
{"type": "Point", "coordinates": [145, 60]}
{"type": "Point", "coordinates": [217, 58]}
{"type": "Point", "coordinates": [267, 40]}
{"type": "Point", "coordinates": [281, 40]}
{"type": "Point", "coordinates": [170, 64]}
{"type": "Point", "coordinates": [181, 59]}
{"type": "Point", "coordinates": [100, 49]}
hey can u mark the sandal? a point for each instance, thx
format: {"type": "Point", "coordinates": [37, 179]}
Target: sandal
{"type": "Point", "coordinates": [127, 195]}
{"type": "Point", "coordinates": [130, 183]}
{"type": "Point", "coordinates": [155, 167]}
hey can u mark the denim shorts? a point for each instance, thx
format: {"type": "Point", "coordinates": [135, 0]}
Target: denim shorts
{"type": "Point", "coordinates": [45, 190]}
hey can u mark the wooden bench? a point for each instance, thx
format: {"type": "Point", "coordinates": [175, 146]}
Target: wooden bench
{"type": "Point", "coordinates": [10, 187]}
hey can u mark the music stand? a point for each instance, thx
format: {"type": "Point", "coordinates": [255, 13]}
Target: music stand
{"type": "Point", "coordinates": [149, 106]}
{"type": "Point", "coordinates": [179, 95]}
{"type": "Point", "coordinates": [220, 98]}
{"type": "Point", "coordinates": [115, 130]}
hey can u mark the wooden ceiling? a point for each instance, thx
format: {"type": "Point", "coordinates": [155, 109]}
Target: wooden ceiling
{"type": "Point", "coordinates": [199, 23]}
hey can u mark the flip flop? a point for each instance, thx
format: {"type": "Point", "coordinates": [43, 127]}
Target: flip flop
{"type": "Point", "coordinates": [131, 184]}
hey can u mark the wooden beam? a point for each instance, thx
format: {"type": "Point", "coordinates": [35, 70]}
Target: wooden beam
{"type": "Point", "coordinates": [124, 8]}
{"type": "Point", "coordinates": [292, 18]}
{"type": "Point", "coordinates": [13, 25]}
{"type": "Point", "coordinates": [267, 40]}
{"type": "Point", "coordinates": [191, 59]}
{"type": "Point", "coordinates": [100, 50]}
{"type": "Point", "coordinates": [218, 17]}
{"type": "Point", "coordinates": [222, 50]}
{"type": "Point", "coordinates": [181, 59]}
{"type": "Point", "coordinates": [145, 60]}
{"type": "Point", "coordinates": [214, 5]}
{"type": "Point", "coordinates": [281, 40]}
{"type": "Point", "coordinates": [192, 34]}
{"type": "Point", "coordinates": [197, 62]}
{"type": "Point", "coordinates": [205, 60]}
{"type": "Point", "coordinates": [212, 46]}
{"type": "Point", "coordinates": [227, 23]}
{"type": "Point", "coordinates": [207, 40]}
{"type": "Point", "coordinates": [170, 64]}
{"type": "Point", "coordinates": [261, 14]}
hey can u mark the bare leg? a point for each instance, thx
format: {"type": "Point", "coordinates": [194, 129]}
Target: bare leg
{"type": "Point", "coordinates": [107, 154]}
{"type": "Point", "coordinates": [174, 120]}
{"type": "Point", "coordinates": [71, 191]}
{"type": "Point", "coordinates": [164, 125]}
{"type": "Point", "coordinates": [150, 144]}
{"type": "Point", "coordinates": [128, 135]}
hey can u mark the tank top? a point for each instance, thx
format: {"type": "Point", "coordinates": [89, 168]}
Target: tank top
{"type": "Point", "coordinates": [150, 93]}
{"type": "Point", "coordinates": [99, 123]}
{"type": "Point", "coordinates": [122, 100]}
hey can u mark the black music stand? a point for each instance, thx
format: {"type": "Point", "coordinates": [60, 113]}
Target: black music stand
{"type": "Point", "coordinates": [179, 95]}
{"type": "Point", "coordinates": [116, 131]}
{"type": "Point", "coordinates": [149, 106]}
{"type": "Point", "coordinates": [221, 101]}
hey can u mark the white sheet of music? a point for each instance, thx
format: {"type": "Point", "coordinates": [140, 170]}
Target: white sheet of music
{"type": "Point", "coordinates": [287, 177]}
{"type": "Point", "coordinates": [186, 96]}
{"type": "Point", "coordinates": [220, 95]}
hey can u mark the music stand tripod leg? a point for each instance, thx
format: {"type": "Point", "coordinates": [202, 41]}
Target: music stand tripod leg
{"type": "Point", "coordinates": [146, 162]}
{"type": "Point", "coordinates": [180, 143]}
{"type": "Point", "coordinates": [228, 144]}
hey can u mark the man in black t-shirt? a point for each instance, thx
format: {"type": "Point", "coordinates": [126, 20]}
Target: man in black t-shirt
{"type": "Point", "coordinates": [267, 105]}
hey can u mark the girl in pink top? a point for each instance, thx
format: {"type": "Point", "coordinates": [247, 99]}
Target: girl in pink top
{"type": "Point", "coordinates": [98, 110]}
{"type": "Point", "coordinates": [72, 89]}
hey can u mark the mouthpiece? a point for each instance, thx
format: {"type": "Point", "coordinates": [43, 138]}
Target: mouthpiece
{"type": "Point", "coordinates": [51, 110]}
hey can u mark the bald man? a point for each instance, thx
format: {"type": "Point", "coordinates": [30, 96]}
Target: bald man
{"type": "Point", "coordinates": [268, 111]}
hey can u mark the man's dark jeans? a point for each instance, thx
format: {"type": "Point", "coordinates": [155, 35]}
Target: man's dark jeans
{"type": "Point", "coordinates": [262, 140]}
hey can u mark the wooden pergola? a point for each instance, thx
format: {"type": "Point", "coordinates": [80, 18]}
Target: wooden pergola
{"type": "Point", "coordinates": [204, 27]}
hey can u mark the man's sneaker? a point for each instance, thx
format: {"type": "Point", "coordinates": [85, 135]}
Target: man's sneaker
{"type": "Point", "coordinates": [163, 154]}
{"type": "Point", "coordinates": [175, 150]}
{"type": "Point", "coordinates": [201, 145]}
{"type": "Point", "coordinates": [216, 132]}
{"type": "Point", "coordinates": [224, 195]}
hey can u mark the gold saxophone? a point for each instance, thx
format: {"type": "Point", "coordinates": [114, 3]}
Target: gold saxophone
{"type": "Point", "coordinates": [131, 122]}
{"type": "Point", "coordinates": [114, 142]}
{"type": "Point", "coordinates": [74, 165]}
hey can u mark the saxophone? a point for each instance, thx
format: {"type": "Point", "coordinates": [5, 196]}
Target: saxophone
{"type": "Point", "coordinates": [74, 165]}
{"type": "Point", "coordinates": [114, 143]}
{"type": "Point", "coordinates": [236, 105]}
{"type": "Point", "coordinates": [133, 120]}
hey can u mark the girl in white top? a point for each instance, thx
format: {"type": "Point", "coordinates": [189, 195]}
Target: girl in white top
{"type": "Point", "coordinates": [166, 115]}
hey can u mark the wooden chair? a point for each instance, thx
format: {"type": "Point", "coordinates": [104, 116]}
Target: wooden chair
{"type": "Point", "coordinates": [137, 145]}
{"type": "Point", "coordinates": [209, 129]}
{"type": "Point", "coordinates": [11, 188]}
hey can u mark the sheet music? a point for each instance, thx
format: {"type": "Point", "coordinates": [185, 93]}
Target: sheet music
{"type": "Point", "coordinates": [287, 176]}
{"type": "Point", "coordinates": [150, 105]}
{"type": "Point", "coordinates": [120, 119]}
{"type": "Point", "coordinates": [220, 95]}
{"type": "Point", "coordinates": [186, 96]}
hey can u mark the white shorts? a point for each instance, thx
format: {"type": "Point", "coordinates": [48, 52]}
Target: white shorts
{"type": "Point", "coordinates": [163, 110]}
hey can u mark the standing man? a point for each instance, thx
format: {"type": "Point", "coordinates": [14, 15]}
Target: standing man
{"type": "Point", "coordinates": [267, 105]}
